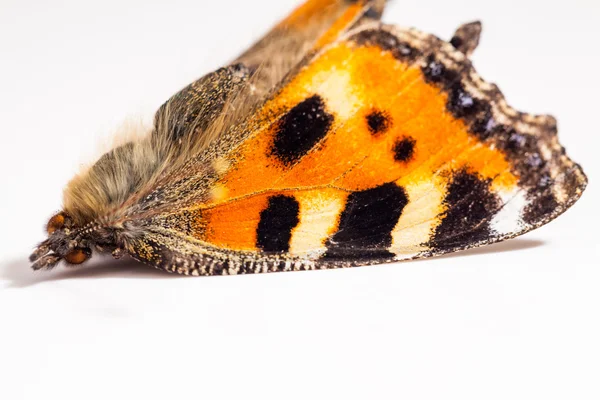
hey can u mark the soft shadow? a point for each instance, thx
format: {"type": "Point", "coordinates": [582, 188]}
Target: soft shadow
{"type": "Point", "coordinates": [19, 273]}
{"type": "Point", "coordinates": [502, 247]}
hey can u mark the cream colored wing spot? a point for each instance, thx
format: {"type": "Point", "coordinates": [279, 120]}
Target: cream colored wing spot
{"type": "Point", "coordinates": [319, 213]}
{"type": "Point", "coordinates": [419, 218]}
{"type": "Point", "coordinates": [336, 88]}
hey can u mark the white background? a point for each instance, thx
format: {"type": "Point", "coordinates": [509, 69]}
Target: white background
{"type": "Point", "coordinates": [518, 320]}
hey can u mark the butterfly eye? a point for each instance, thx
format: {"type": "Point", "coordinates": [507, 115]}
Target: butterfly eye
{"type": "Point", "coordinates": [78, 256]}
{"type": "Point", "coordinates": [56, 223]}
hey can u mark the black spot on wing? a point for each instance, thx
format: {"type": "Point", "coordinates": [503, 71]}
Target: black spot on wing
{"type": "Point", "coordinates": [301, 129]}
{"type": "Point", "coordinates": [463, 105]}
{"type": "Point", "coordinates": [378, 122]}
{"type": "Point", "coordinates": [470, 208]}
{"type": "Point", "coordinates": [367, 222]}
{"type": "Point", "coordinates": [388, 42]}
{"type": "Point", "coordinates": [436, 72]}
{"type": "Point", "coordinates": [276, 223]}
{"type": "Point", "coordinates": [484, 125]}
{"type": "Point", "coordinates": [404, 149]}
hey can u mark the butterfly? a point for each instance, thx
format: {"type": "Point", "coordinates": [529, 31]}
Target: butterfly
{"type": "Point", "coordinates": [334, 141]}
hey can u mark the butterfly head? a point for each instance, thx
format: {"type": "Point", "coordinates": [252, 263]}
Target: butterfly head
{"type": "Point", "coordinates": [65, 242]}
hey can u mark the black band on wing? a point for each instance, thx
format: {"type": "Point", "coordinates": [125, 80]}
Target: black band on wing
{"type": "Point", "coordinates": [274, 230]}
{"type": "Point", "coordinates": [367, 222]}
{"type": "Point", "coordinates": [470, 207]}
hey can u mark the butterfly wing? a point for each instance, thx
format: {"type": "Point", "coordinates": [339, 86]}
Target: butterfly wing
{"type": "Point", "coordinates": [386, 146]}
{"type": "Point", "coordinates": [312, 25]}
{"type": "Point", "coordinates": [199, 113]}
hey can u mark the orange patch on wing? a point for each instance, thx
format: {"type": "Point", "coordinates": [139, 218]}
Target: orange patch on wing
{"type": "Point", "coordinates": [233, 225]}
{"type": "Point", "coordinates": [353, 81]}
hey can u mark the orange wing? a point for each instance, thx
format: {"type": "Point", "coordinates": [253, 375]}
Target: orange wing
{"type": "Point", "coordinates": [386, 146]}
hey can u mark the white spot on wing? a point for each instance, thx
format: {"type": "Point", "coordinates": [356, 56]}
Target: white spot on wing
{"type": "Point", "coordinates": [335, 87]}
{"type": "Point", "coordinates": [509, 219]}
